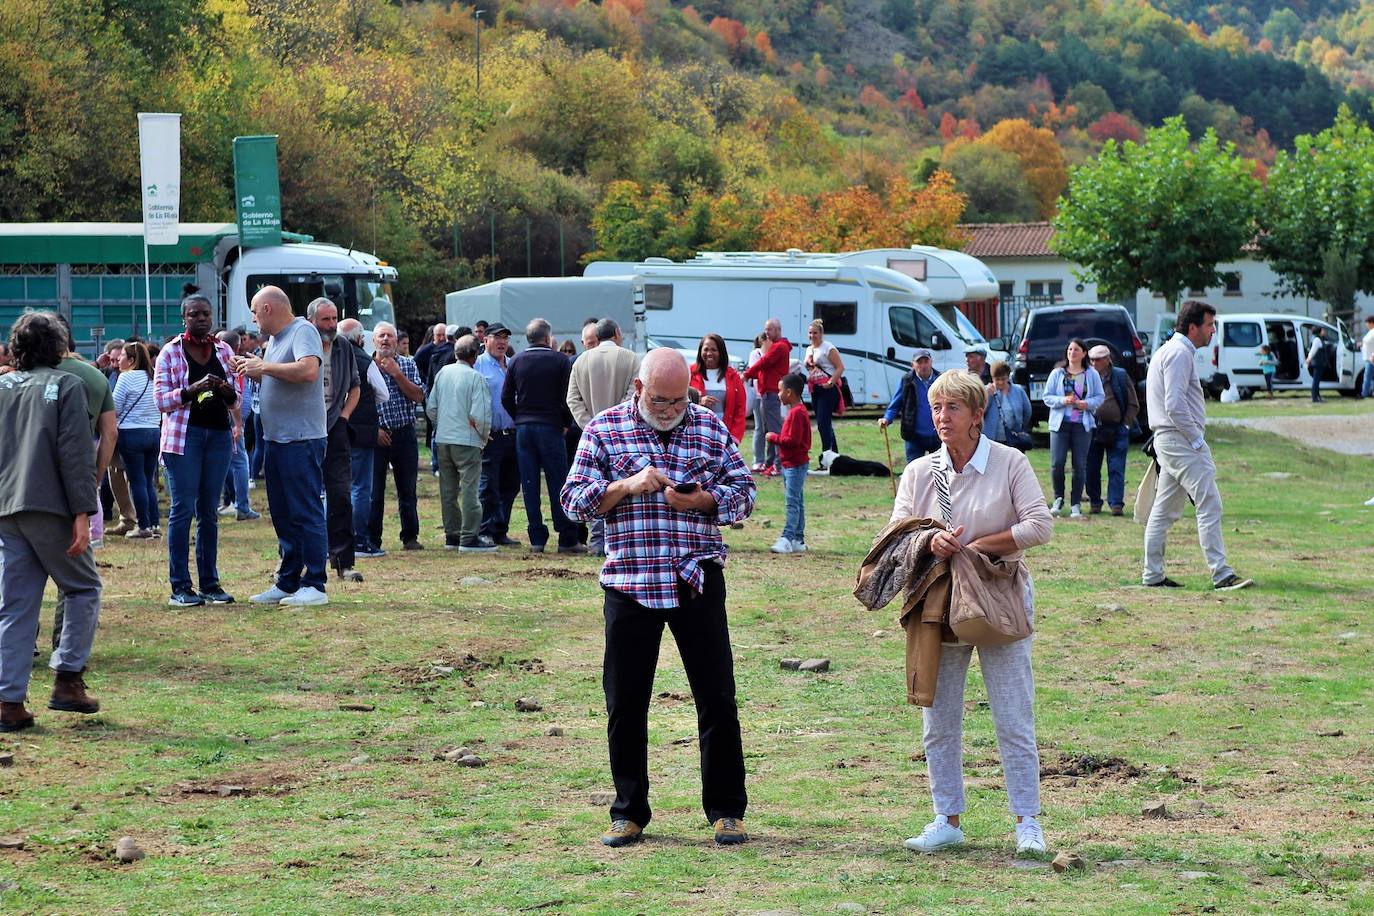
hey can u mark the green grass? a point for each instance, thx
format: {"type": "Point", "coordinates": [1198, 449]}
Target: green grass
{"type": "Point", "coordinates": [1219, 701]}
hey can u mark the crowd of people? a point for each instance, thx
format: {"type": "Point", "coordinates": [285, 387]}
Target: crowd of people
{"type": "Point", "coordinates": [640, 460]}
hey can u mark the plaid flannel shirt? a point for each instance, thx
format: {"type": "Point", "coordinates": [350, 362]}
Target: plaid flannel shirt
{"type": "Point", "coordinates": [649, 545]}
{"type": "Point", "coordinates": [398, 411]}
{"type": "Point", "coordinates": [170, 376]}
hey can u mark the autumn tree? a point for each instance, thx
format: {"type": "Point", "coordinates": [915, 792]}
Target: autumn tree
{"type": "Point", "coordinates": [1317, 211]}
{"type": "Point", "coordinates": [858, 217]}
{"type": "Point", "coordinates": [1041, 159]}
{"type": "Point", "coordinates": [1159, 214]}
{"type": "Point", "coordinates": [993, 181]}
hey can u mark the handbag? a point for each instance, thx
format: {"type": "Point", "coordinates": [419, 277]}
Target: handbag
{"type": "Point", "coordinates": [1017, 439]}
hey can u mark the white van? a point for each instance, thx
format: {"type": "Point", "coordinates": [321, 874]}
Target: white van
{"type": "Point", "coordinates": [876, 315]}
{"type": "Point", "coordinates": [1233, 357]}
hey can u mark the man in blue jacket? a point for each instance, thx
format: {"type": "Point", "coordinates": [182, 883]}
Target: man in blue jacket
{"type": "Point", "coordinates": [912, 404]}
{"type": "Point", "coordinates": [536, 396]}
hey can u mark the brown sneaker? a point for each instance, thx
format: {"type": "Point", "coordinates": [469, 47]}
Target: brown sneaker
{"type": "Point", "coordinates": [14, 717]}
{"type": "Point", "coordinates": [730, 830]}
{"type": "Point", "coordinates": [69, 694]}
{"type": "Point", "coordinates": [622, 833]}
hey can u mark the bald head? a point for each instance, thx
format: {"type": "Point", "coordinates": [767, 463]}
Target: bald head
{"type": "Point", "coordinates": [662, 388]}
{"type": "Point", "coordinates": [271, 309]}
{"type": "Point", "coordinates": [664, 366]}
{"type": "Point", "coordinates": [772, 329]}
{"type": "Point", "coordinates": [352, 329]}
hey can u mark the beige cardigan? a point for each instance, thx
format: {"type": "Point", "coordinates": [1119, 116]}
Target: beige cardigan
{"type": "Point", "coordinates": [601, 378]}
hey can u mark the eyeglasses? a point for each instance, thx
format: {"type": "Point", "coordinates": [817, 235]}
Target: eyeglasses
{"type": "Point", "coordinates": [664, 403]}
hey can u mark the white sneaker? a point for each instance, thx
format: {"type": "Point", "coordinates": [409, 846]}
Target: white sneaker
{"type": "Point", "coordinates": [226, 510]}
{"type": "Point", "coordinates": [939, 834]}
{"type": "Point", "coordinates": [273, 595]}
{"type": "Point", "coordinates": [1057, 507]}
{"type": "Point", "coordinates": [305, 596]}
{"type": "Point", "coordinates": [1076, 511]}
{"type": "Point", "coordinates": [799, 547]}
{"type": "Point", "coordinates": [781, 545]}
{"type": "Point", "coordinates": [1029, 837]}
{"type": "Point", "coordinates": [1370, 501]}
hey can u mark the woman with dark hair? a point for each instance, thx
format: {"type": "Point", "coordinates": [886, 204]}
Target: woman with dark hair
{"type": "Point", "coordinates": [1073, 393]}
{"type": "Point", "coordinates": [722, 389]}
{"type": "Point", "coordinates": [139, 422]}
{"type": "Point", "coordinates": [824, 368]}
{"type": "Point", "coordinates": [194, 384]}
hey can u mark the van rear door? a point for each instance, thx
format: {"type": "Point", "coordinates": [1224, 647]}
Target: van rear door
{"type": "Point", "coordinates": [1238, 355]}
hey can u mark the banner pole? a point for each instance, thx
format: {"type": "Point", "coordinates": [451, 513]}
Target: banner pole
{"type": "Point", "coordinates": [147, 286]}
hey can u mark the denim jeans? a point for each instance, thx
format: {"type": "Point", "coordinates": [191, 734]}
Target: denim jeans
{"type": "Point", "coordinates": [1367, 390]}
{"type": "Point", "coordinates": [500, 483]}
{"type": "Point", "coordinates": [540, 450]}
{"type": "Point", "coordinates": [195, 478]}
{"type": "Point", "coordinates": [295, 478]}
{"type": "Point", "coordinates": [361, 491]}
{"type": "Point", "coordinates": [826, 401]}
{"type": "Point", "coordinates": [793, 482]}
{"type": "Point", "coordinates": [236, 481]}
{"type": "Point", "coordinates": [1116, 469]}
{"type": "Point", "coordinates": [138, 448]}
{"type": "Point", "coordinates": [259, 455]}
{"type": "Point", "coordinates": [922, 445]}
{"type": "Point", "coordinates": [402, 456]}
{"type": "Point", "coordinates": [767, 419]}
{"type": "Point", "coordinates": [1069, 438]}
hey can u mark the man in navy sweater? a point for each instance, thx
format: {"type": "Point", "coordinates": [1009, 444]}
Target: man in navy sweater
{"type": "Point", "coordinates": [536, 397]}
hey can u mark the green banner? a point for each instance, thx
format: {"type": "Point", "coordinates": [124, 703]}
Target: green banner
{"type": "Point", "coordinates": [256, 191]}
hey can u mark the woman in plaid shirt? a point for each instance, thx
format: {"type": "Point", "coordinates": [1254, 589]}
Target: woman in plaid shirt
{"type": "Point", "coordinates": [665, 475]}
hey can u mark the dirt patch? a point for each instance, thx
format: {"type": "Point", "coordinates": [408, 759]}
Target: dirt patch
{"type": "Point", "coordinates": [1349, 435]}
{"type": "Point", "coordinates": [557, 572]}
{"type": "Point", "coordinates": [270, 779]}
{"type": "Point", "coordinates": [447, 665]}
{"type": "Point", "coordinates": [1091, 765]}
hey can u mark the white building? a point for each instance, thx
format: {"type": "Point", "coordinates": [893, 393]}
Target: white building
{"type": "Point", "coordinates": [1030, 274]}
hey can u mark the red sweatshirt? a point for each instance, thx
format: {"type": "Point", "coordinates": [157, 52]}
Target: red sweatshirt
{"type": "Point", "coordinates": [771, 367]}
{"type": "Point", "coordinates": [794, 442]}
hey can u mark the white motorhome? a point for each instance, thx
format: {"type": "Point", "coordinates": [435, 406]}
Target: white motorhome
{"type": "Point", "coordinates": [1232, 358]}
{"type": "Point", "coordinates": [876, 314]}
{"type": "Point", "coordinates": [565, 302]}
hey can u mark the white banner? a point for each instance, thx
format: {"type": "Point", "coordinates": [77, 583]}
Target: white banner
{"type": "Point", "coordinates": [159, 147]}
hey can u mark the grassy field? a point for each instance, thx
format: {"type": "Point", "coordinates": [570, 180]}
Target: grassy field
{"type": "Point", "coordinates": [227, 746]}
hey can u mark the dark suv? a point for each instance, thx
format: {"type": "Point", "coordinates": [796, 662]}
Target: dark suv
{"type": "Point", "coordinates": [1037, 345]}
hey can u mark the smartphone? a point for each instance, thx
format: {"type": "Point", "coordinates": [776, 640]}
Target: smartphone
{"type": "Point", "coordinates": [685, 487]}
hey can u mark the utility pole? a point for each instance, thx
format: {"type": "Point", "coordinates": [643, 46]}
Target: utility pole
{"type": "Point", "coordinates": [863, 177]}
{"type": "Point", "coordinates": [478, 16]}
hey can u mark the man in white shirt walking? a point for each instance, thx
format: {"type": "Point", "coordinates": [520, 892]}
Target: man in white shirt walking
{"type": "Point", "coordinates": [1178, 416]}
{"type": "Point", "coordinates": [1367, 350]}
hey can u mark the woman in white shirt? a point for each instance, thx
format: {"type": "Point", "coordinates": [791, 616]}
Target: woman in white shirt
{"type": "Point", "coordinates": [824, 368]}
{"type": "Point", "coordinates": [139, 422]}
{"type": "Point", "coordinates": [995, 506]}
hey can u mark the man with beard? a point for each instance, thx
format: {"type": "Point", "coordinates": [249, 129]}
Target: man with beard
{"type": "Point", "coordinates": [342, 390]}
{"type": "Point", "coordinates": [665, 474]}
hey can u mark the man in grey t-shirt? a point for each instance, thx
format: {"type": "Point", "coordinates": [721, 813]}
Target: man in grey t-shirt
{"type": "Point", "coordinates": [291, 403]}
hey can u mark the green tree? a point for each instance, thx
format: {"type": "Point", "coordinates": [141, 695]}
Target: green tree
{"type": "Point", "coordinates": [1318, 204]}
{"type": "Point", "coordinates": [1160, 214]}
{"type": "Point", "coordinates": [994, 183]}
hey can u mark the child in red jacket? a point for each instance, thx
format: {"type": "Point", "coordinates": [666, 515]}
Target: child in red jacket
{"type": "Point", "coordinates": [794, 453]}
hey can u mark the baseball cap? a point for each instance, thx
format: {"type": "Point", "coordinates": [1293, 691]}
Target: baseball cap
{"type": "Point", "coordinates": [497, 327]}
{"type": "Point", "coordinates": [1100, 352]}
{"type": "Point", "coordinates": [920, 353]}
{"type": "Point", "coordinates": [977, 348]}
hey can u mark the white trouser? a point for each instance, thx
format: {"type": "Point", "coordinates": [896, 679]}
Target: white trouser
{"type": "Point", "coordinates": [1184, 472]}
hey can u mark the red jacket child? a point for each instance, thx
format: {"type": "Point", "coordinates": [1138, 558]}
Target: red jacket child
{"type": "Point", "coordinates": [794, 442]}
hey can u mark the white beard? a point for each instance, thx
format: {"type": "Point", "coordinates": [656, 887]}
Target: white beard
{"type": "Point", "coordinates": [663, 426]}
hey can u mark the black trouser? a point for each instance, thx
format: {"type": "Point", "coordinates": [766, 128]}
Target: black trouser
{"type": "Point", "coordinates": [633, 634]}
{"type": "Point", "coordinates": [403, 457]}
{"type": "Point", "coordinates": [338, 495]}
{"type": "Point", "coordinates": [500, 483]}
{"type": "Point", "coordinates": [1318, 370]}
{"type": "Point", "coordinates": [826, 401]}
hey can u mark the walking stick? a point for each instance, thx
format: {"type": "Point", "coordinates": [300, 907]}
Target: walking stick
{"type": "Point", "coordinates": [890, 475]}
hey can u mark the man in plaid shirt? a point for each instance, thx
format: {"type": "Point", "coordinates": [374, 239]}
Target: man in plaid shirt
{"type": "Point", "coordinates": [397, 448]}
{"type": "Point", "coordinates": [665, 474]}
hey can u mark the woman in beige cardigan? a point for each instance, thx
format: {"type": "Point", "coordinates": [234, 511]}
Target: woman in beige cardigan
{"type": "Point", "coordinates": [996, 507]}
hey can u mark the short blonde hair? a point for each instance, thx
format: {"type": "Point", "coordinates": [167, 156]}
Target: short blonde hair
{"type": "Point", "coordinates": [961, 385]}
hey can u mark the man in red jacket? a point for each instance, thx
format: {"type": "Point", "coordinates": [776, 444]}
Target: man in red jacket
{"type": "Point", "coordinates": [768, 371]}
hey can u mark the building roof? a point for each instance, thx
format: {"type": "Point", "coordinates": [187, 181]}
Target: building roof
{"type": "Point", "coordinates": [1009, 240]}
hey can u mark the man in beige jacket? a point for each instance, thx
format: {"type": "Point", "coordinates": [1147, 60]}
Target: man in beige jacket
{"type": "Point", "coordinates": [602, 377]}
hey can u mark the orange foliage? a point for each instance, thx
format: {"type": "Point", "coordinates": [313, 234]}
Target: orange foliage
{"type": "Point", "coordinates": [1041, 159]}
{"type": "Point", "coordinates": [858, 217]}
{"type": "Point", "coordinates": [1114, 126]}
{"type": "Point", "coordinates": [633, 7]}
{"type": "Point", "coordinates": [948, 125]}
{"type": "Point", "coordinates": [871, 98]}
{"type": "Point", "coordinates": [731, 31]}
{"type": "Point", "coordinates": [911, 103]}
{"type": "Point", "coordinates": [823, 76]}
{"type": "Point", "coordinates": [692, 16]}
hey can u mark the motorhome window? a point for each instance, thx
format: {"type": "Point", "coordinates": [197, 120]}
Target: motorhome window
{"type": "Point", "coordinates": [910, 328]}
{"type": "Point", "coordinates": [1232, 279]}
{"type": "Point", "coordinates": [915, 268]}
{"type": "Point", "coordinates": [658, 295]}
{"type": "Point", "coordinates": [1240, 334]}
{"type": "Point", "coordinates": [838, 317]}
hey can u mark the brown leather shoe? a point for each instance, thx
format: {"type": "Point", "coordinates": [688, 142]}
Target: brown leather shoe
{"type": "Point", "coordinates": [69, 694]}
{"type": "Point", "coordinates": [14, 717]}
